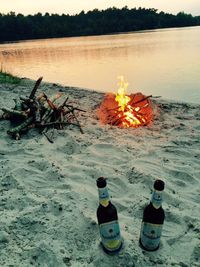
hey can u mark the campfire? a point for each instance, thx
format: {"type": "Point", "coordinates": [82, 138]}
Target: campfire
{"type": "Point", "coordinates": [125, 111]}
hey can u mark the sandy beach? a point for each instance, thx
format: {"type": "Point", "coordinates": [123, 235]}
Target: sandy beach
{"type": "Point", "coordinates": [48, 194]}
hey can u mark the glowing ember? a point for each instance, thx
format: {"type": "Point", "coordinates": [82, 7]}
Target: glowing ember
{"type": "Point", "coordinates": [125, 111]}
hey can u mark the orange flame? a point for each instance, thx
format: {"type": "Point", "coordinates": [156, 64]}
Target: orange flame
{"type": "Point", "coordinates": [125, 111]}
{"type": "Point", "coordinates": [121, 98]}
{"type": "Point", "coordinates": [129, 113]}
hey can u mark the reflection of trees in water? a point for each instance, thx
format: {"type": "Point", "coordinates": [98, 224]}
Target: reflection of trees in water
{"type": "Point", "coordinates": [81, 48]}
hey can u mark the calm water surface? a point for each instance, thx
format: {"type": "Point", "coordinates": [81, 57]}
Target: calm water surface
{"type": "Point", "coordinates": [160, 62]}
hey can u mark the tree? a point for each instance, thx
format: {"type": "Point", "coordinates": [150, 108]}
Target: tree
{"type": "Point", "coordinates": [94, 22]}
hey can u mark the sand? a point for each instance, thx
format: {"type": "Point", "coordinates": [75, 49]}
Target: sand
{"type": "Point", "coordinates": [48, 194]}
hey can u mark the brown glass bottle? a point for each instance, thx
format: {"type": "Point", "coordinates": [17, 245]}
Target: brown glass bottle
{"type": "Point", "coordinates": [107, 217]}
{"type": "Point", "coordinates": [153, 219]}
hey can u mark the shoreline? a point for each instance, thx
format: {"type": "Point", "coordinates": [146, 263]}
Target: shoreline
{"type": "Point", "coordinates": [49, 196]}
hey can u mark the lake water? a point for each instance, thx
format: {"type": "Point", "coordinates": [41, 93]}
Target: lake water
{"type": "Point", "coordinates": [159, 62]}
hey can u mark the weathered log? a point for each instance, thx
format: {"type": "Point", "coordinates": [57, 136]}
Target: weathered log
{"type": "Point", "coordinates": [13, 112]}
{"type": "Point", "coordinates": [32, 94]}
{"type": "Point", "coordinates": [20, 127]}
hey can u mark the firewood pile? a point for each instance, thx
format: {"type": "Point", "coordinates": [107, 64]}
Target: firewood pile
{"type": "Point", "coordinates": [40, 112]}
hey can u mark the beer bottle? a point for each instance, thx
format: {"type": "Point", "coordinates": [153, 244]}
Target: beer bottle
{"type": "Point", "coordinates": [153, 219]}
{"type": "Point", "coordinates": [111, 240]}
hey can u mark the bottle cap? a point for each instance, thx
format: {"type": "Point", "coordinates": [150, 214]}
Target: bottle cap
{"type": "Point", "coordinates": [101, 182]}
{"type": "Point", "coordinates": [159, 185]}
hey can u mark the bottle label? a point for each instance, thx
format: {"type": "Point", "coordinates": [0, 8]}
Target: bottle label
{"type": "Point", "coordinates": [150, 235]}
{"type": "Point", "coordinates": [103, 196]}
{"type": "Point", "coordinates": [156, 199]}
{"type": "Point", "coordinates": [110, 235]}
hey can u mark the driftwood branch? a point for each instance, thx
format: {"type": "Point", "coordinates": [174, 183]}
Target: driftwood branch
{"type": "Point", "coordinates": [13, 112]}
{"type": "Point", "coordinates": [32, 94]}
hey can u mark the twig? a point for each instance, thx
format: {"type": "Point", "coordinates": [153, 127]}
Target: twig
{"type": "Point", "coordinates": [48, 138]}
{"type": "Point", "coordinates": [139, 101]}
{"type": "Point", "coordinates": [54, 123]}
{"type": "Point", "coordinates": [78, 123]}
{"type": "Point", "coordinates": [52, 99]}
{"type": "Point", "coordinates": [50, 103]}
{"type": "Point", "coordinates": [70, 106]}
{"type": "Point", "coordinates": [63, 104]}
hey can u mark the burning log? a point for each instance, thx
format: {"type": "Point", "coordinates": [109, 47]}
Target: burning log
{"type": "Point", "coordinates": [40, 112]}
{"type": "Point", "coordinates": [126, 111]}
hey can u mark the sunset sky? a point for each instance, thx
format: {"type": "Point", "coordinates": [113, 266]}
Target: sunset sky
{"type": "Point", "coordinates": [75, 6]}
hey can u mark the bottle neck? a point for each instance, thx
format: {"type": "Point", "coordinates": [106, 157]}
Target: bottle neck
{"type": "Point", "coordinates": [157, 198]}
{"type": "Point", "coordinates": [103, 196]}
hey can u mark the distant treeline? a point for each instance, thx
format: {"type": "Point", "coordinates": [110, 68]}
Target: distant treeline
{"type": "Point", "coordinates": [112, 20]}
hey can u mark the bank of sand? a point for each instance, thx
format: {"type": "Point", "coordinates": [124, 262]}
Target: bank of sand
{"type": "Point", "coordinates": [48, 195]}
